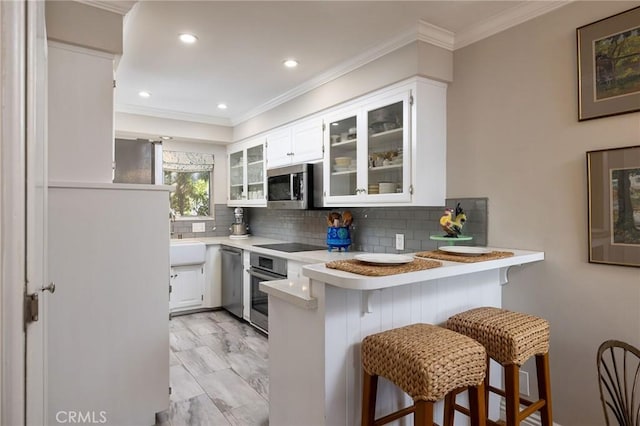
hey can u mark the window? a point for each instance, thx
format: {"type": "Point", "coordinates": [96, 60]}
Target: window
{"type": "Point", "coordinates": [192, 175]}
{"type": "Point", "coordinates": [192, 194]}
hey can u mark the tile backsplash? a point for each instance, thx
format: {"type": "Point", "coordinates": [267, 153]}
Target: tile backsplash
{"type": "Point", "coordinates": [373, 230]}
{"type": "Point", "coordinates": [223, 218]}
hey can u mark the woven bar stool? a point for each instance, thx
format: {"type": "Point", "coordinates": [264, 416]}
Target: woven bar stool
{"type": "Point", "coordinates": [511, 338]}
{"type": "Point", "coordinates": [427, 362]}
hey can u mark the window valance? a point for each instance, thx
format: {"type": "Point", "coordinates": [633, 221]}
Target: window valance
{"type": "Point", "coordinates": [180, 161]}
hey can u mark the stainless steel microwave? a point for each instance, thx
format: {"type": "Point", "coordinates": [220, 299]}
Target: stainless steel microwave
{"type": "Point", "coordinates": [291, 187]}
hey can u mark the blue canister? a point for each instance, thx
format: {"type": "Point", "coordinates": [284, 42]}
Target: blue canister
{"type": "Point", "coordinates": [338, 237]}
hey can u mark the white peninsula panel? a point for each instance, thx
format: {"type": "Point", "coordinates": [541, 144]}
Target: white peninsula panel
{"type": "Point", "coordinates": [314, 354]}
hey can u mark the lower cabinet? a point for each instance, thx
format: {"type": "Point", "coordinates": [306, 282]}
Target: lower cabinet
{"type": "Point", "coordinates": [187, 287]}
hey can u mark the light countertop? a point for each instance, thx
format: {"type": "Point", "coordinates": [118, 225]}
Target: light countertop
{"type": "Point", "coordinates": [352, 281]}
{"type": "Point", "coordinates": [317, 256]}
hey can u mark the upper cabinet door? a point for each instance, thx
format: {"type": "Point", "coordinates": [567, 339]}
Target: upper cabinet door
{"type": "Point", "coordinates": [306, 144]}
{"type": "Point", "coordinates": [279, 148]}
{"type": "Point", "coordinates": [342, 137]}
{"type": "Point", "coordinates": [388, 149]}
{"type": "Point", "coordinates": [247, 175]}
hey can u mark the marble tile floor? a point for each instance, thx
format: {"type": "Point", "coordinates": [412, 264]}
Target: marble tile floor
{"type": "Point", "coordinates": [218, 372]}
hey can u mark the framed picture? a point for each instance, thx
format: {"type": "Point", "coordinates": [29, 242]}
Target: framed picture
{"type": "Point", "coordinates": [609, 66]}
{"type": "Point", "coordinates": [614, 206]}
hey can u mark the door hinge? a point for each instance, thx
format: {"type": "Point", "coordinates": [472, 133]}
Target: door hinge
{"type": "Point", "coordinates": [169, 390]}
{"type": "Point", "coordinates": [323, 150]}
{"type": "Point", "coordinates": [170, 289]}
{"type": "Point", "coordinates": [202, 270]}
{"type": "Point", "coordinates": [411, 100]}
{"type": "Point", "coordinates": [114, 84]}
{"type": "Point", "coordinates": [410, 189]}
{"type": "Point", "coordinates": [30, 308]}
{"type": "Point", "coordinates": [202, 297]}
{"type": "Point", "coordinates": [324, 126]}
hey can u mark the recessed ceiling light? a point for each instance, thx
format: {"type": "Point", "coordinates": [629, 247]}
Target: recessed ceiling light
{"type": "Point", "coordinates": [290, 63]}
{"type": "Point", "coordinates": [165, 138]}
{"type": "Point", "coordinates": [334, 124]}
{"type": "Point", "coordinates": [144, 94]}
{"type": "Point", "coordinates": [188, 38]}
{"type": "Point", "coordinates": [222, 106]}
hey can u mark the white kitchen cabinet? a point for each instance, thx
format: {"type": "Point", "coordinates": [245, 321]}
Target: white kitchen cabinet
{"type": "Point", "coordinates": [80, 114]}
{"type": "Point", "coordinates": [187, 287]}
{"type": "Point", "coordinates": [247, 174]}
{"type": "Point", "coordinates": [388, 149]}
{"type": "Point", "coordinates": [295, 144]}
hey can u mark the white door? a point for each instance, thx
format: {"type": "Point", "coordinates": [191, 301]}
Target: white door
{"type": "Point", "coordinates": [36, 208]}
{"type": "Point", "coordinates": [279, 148]}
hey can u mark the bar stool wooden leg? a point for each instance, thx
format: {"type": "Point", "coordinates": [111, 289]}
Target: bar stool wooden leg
{"type": "Point", "coordinates": [487, 386]}
{"type": "Point", "coordinates": [369, 393]}
{"type": "Point", "coordinates": [512, 394]}
{"type": "Point", "coordinates": [544, 388]}
{"type": "Point", "coordinates": [423, 416]}
{"type": "Point", "coordinates": [449, 408]}
{"type": "Point", "coordinates": [477, 405]}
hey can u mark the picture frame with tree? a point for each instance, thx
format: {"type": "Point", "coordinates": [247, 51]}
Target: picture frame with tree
{"type": "Point", "coordinates": [613, 177]}
{"type": "Point", "coordinates": [609, 66]}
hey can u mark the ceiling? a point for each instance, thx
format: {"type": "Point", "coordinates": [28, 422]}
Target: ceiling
{"type": "Point", "coordinates": [241, 46]}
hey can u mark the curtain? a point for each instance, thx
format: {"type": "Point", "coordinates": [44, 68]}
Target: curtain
{"type": "Point", "coordinates": [179, 161]}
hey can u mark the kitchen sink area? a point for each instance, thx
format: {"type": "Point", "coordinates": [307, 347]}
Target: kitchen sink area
{"type": "Point", "coordinates": [186, 252]}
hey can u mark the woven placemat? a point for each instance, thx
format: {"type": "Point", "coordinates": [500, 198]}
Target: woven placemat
{"type": "Point", "coordinates": [441, 255]}
{"type": "Point", "coordinates": [377, 270]}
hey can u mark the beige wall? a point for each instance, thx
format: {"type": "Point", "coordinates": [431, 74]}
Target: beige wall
{"type": "Point", "coordinates": [514, 137]}
{"type": "Point", "coordinates": [83, 25]}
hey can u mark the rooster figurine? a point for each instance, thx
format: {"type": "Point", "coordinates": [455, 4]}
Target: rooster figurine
{"type": "Point", "coordinates": [452, 225]}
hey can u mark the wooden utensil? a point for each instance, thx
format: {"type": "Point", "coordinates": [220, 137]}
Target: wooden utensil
{"type": "Point", "coordinates": [347, 218]}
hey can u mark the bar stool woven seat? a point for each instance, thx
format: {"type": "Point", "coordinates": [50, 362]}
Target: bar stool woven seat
{"type": "Point", "coordinates": [427, 362]}
{"type": "Point", "coordinates": [509, 337]}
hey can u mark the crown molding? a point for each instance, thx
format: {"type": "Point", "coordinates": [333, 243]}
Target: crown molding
{"type": "Point", "coordinates": [172, 115]}
{"type": "Point", "coordinates": [435, 35]}
{"type": "Point", "coordinates": [121, 7]}
{"type": "Point", "coordinates": [505, 20]}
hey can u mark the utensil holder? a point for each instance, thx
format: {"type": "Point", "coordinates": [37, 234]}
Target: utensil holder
{"type": "Point", "coordinates": [338, 237]}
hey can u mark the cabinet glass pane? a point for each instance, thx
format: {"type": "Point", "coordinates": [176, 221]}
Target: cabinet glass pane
{"type": "Point", "coordinates": [385, 156]}
{"type": "Point", "coordinates": [343, 154]}
{"type": "Point", "coordinates": [236, 173]}
{"type": "Point", "coordinates": [255, 172]}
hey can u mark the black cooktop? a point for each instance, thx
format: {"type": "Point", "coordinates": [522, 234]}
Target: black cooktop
{"type": "Point", "coordinates": [291, 247]}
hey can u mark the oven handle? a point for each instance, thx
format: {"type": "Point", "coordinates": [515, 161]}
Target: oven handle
{"type": "Point", "coordinates": [265, 276]}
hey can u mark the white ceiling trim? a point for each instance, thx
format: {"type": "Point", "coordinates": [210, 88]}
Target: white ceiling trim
{"type": "Point", "coordinates": [170, 114]}
{"type": "Point", "coordinates": [505, 20]}
{"type": "Point", "coordinates": [120, 7]}
{"type": "Point", "coordinates": [435, 35]}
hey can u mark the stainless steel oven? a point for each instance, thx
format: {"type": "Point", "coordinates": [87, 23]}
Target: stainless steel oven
{"type": "Point", "coordinates": [263, 268]}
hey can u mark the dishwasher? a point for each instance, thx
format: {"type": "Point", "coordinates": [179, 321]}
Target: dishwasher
{"type": "Point", "coordinates": [232, 280]}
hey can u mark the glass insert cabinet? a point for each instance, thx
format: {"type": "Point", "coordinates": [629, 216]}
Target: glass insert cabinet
{"type": "Point", "coordinates": [247, 175]}
{"type": "Point", "coordinates": [369, 152]}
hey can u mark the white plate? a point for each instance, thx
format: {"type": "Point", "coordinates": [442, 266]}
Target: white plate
{"type": "Point", "coordinates": [465, 250]}
{"type": "Point", "coordinates": [384, 258]}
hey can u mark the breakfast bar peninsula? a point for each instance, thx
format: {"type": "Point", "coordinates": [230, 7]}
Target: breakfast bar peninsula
{"type": "Point", "coordinates": [316, 326]}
